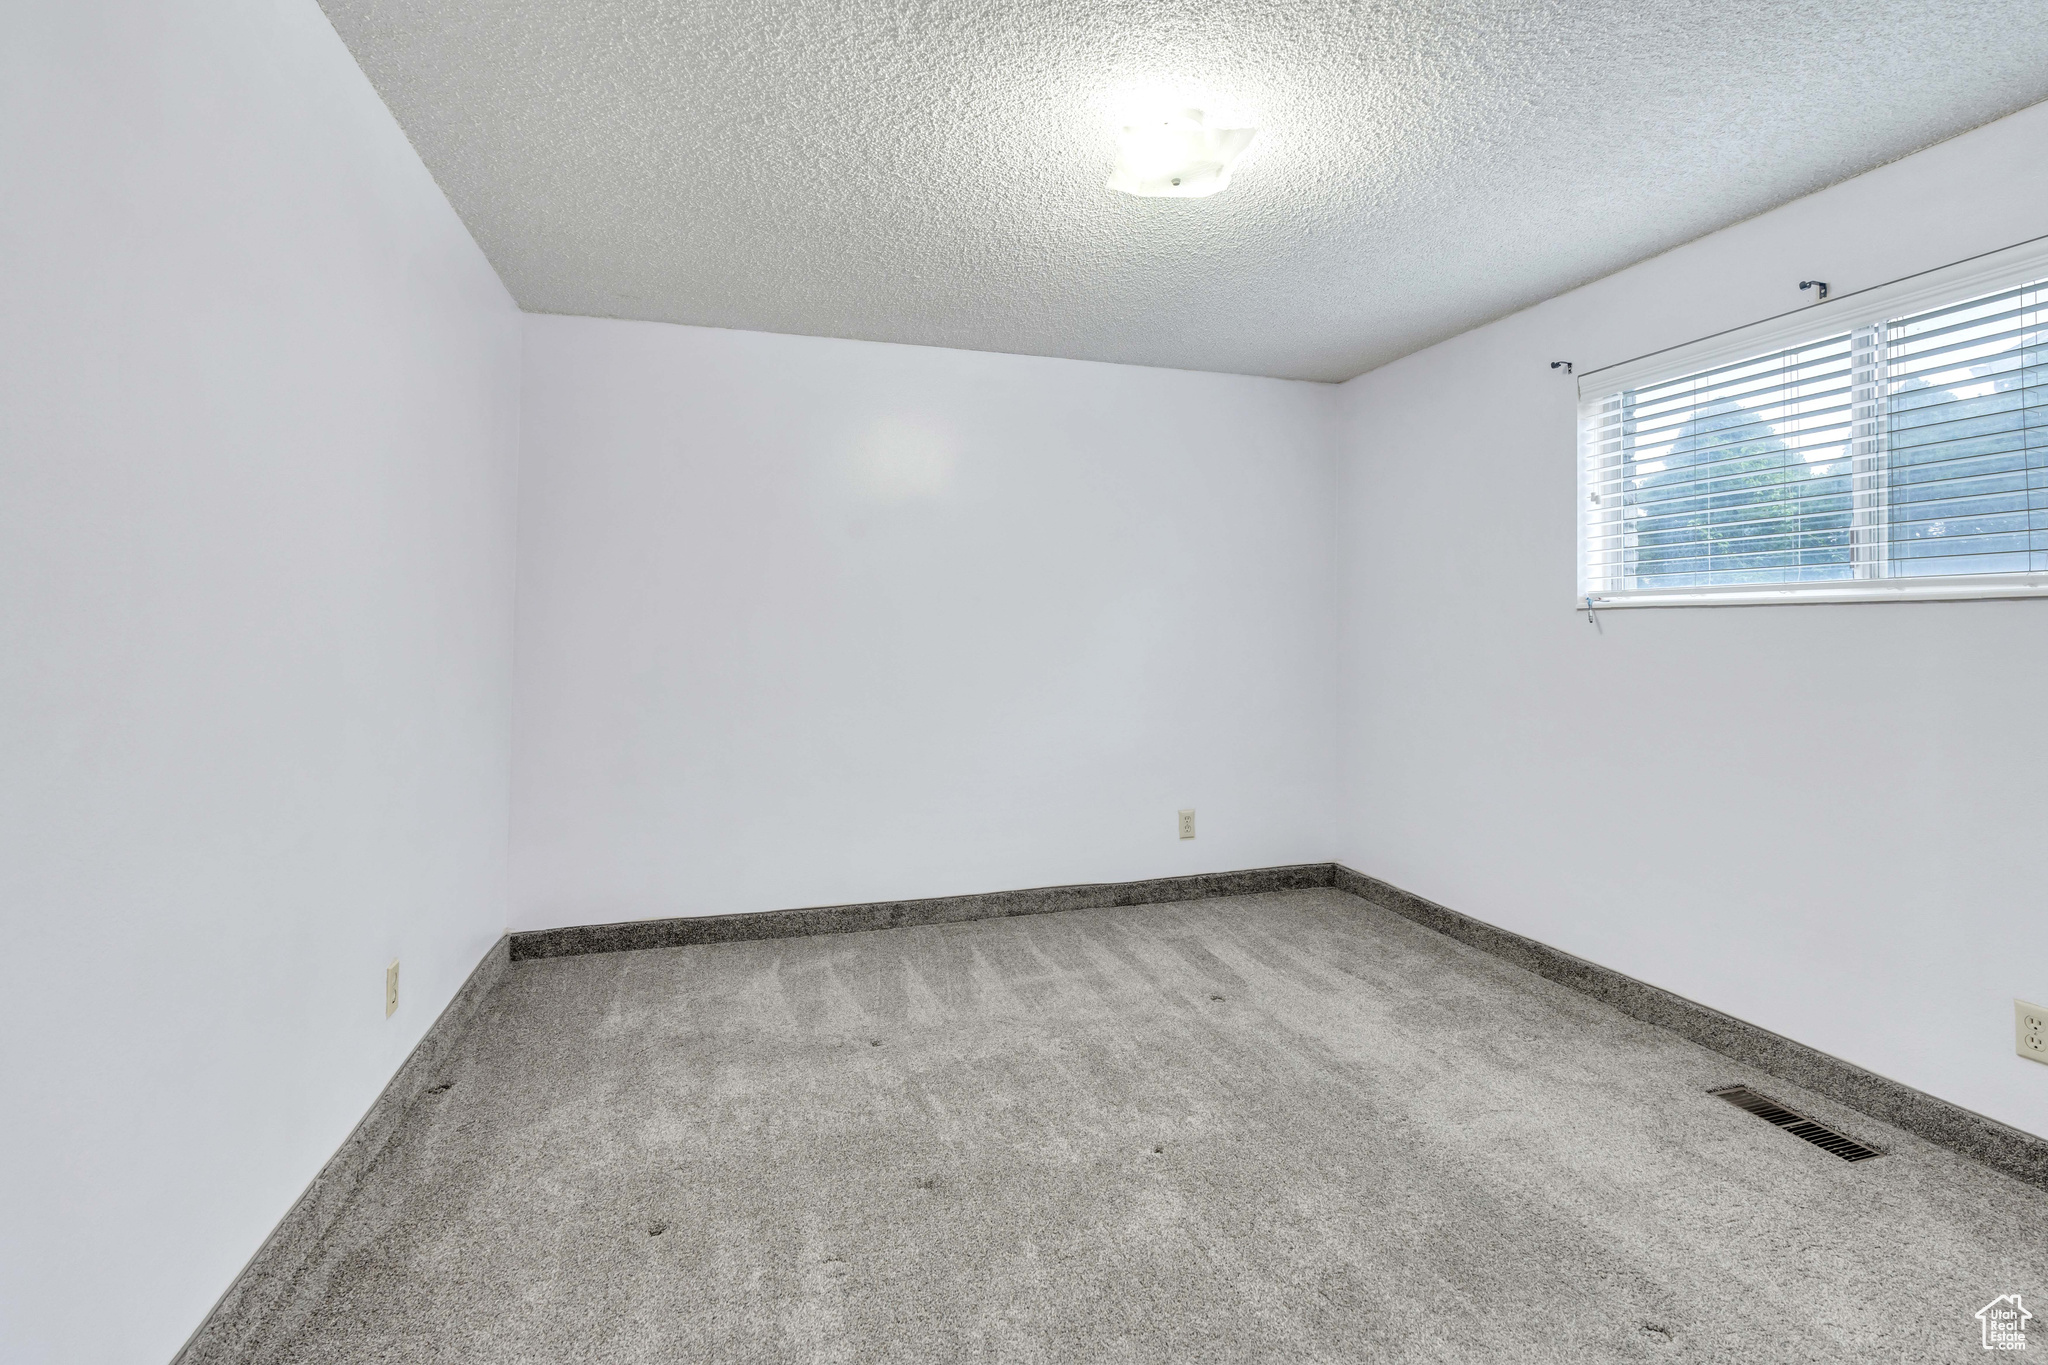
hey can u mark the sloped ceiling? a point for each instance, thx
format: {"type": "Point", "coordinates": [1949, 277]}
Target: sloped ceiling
{"type": "Point", "coordinates": [933, 172]}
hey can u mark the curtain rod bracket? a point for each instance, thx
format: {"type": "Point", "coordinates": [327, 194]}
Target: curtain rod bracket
{"type": "Point", "coordinates": [1821, 285]}
{"type": "Point", "coordinates": [1564, 365]}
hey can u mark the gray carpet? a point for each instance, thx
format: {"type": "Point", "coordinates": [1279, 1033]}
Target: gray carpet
{"type": "Point", "coordinates": [1280, 1127]}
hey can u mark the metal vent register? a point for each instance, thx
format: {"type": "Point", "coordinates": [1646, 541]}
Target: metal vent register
{"type": "Point", "coordinates": [1798, 1125]}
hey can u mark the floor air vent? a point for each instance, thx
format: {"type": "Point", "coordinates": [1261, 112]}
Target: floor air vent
{"type": "Point", "coordinates": [1798, 1125]}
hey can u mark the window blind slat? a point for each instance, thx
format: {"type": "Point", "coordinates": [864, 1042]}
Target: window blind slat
{"type": "Point", "coordinates": [1751, 390]}
{"type": "Point", "coordinates": [1724, 474]}
{"type": "Point", "coordinates": [1751, 424]}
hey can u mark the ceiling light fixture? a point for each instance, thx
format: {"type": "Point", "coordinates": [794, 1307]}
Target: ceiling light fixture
{"type": "Point", "coordinates": [1176, 156]}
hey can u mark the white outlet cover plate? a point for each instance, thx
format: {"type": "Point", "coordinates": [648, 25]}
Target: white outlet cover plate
{"type": "Point", "coordinates": [2030, 1031]}
{"type": "Point", "coordinates": [1187, 824]}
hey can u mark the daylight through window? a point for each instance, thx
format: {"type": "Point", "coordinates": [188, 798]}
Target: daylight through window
{"type": "Point", "coordinates": [1907, 447]}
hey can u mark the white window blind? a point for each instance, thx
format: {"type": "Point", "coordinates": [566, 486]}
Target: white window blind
{"type": "Point", "coordinates": [1966, 437]}
{"type": "Point", "coordinates": [1901, 450]}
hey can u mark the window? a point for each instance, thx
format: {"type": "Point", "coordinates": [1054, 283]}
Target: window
{"type": "Point", "coordinates": [1901, 451]}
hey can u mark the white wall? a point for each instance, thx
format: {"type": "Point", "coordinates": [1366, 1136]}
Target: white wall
{"type": "Point", "coordinates": [806, 621]}
{"type": "Point", "coordinates": [258, 444]}
{"type": "Point", "coordinates": [1827, 820]}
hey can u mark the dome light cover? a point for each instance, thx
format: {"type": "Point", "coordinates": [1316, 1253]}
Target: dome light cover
{"type": "Point", "coordinates": [1176, 156]}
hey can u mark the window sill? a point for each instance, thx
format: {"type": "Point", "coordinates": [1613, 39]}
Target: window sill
{"type": "Point", "coordinates": [1958, 589]}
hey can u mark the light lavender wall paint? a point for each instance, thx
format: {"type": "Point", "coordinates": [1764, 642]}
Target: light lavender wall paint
{"type": "Point", "coordinates": [1826, 820]}
{"type": "Point", "coordinates": [806, 621]}
{"type": "Point", "coordinates": [258, 443]}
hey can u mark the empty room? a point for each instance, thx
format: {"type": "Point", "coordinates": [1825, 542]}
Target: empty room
{"type": "Point", "coordinates": [1042, 681]}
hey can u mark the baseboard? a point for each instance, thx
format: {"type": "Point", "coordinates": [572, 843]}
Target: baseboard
{"type": "Point", "coordinates": [264, 1283]}
{"type": "Point", "coordinates": [229, 1330]}
{"type": "Point", "coordinates": [2000, 1146]}
{"type": "Point", "coordinates": [847, 919]}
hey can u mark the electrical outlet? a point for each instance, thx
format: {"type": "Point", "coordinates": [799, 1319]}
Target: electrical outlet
{"type": "Point", "coordinates": [1187, 824]}
{"type": "Point", "coordinates": [2030, 1030]}
{"type": "Point", "coordinates": [391, 989]}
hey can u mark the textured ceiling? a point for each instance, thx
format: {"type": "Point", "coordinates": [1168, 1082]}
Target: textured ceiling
{"type": "Point", "coordinates": [933, 172]}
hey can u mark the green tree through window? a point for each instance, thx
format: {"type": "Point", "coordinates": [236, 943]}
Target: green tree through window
{"type": "Point", "coordinates": [1722, 497]}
